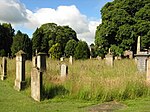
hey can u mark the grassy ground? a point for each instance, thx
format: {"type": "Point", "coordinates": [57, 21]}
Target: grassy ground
{"type": "Point", "coordinates": [89, 82]}
{"type": "Point", "coordinates": [13, 101]}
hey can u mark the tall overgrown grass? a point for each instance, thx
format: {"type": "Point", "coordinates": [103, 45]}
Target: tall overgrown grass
{"type": "Point", "coordinates": [88, 80]}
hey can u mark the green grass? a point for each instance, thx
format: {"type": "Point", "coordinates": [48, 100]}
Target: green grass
{"type": "Point", "coordinates": [14, 101]}
{"type": "Point", "coordinates": [88, 82]}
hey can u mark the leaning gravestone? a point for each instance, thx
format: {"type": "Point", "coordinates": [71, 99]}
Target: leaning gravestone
{"type": "Point", "coordinates": [64, 71]}
{"type": "Point", "coordinates": [36, 84]}
{"type": "Point", "coordinates": [41, 61]}
{"type": "Point", "coordinates": [20, 70]}
{"type": "Point", "coordinates": [4, 68]}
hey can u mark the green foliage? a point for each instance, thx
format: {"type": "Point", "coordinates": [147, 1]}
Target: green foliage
{"type": "Point", "coordinates": [49, 34]}
{"type": "Point", "coordinates": [70, 48]}
{"type": "Point", "coordinates": [22, 42]}
{"type": "Point", "coordinates": [82, 50]}
{"type": "Point", "coordinates": [55, 51]}
{"type": "Point", "coordinates": [122, 22]}
{"type": "Point", "coordinates": [6, 38]}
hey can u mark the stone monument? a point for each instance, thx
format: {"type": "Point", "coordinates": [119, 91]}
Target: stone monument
{"type": "Point", "coordinates": [148, 71]}
{"type": "Point", "coordinates": [20, 71]}
{"type": "Point", "coordinates": [64, 70]}
{"type": "Point", "coordinates": [41, 61]}
{"type": "Point", "coordinates": [36, 84]}
{"type": "Point", "coordinates": [71, 60]}
{"type": "Point", "coordinates": [4, 68]}
{"type": "Point", "coordinates": [109, 59]}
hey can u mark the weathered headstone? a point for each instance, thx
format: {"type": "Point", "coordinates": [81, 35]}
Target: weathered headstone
{"type": "Point", "coordinates": [36, 84]}
{"type": "Point", "coordinates": [148, 71]}
{"type": "Point", "coordinates": [71, 60]}
{"type": "Point", "coordinates": [20, 71]}
{"type": "Point", "coordinates": [34, 61]}
{"type": "Point", "coordinates": [128, 54]}
{"type": "Point", "coordinates": [41, 61]}
{"type": "Point", "coordinates": [142, 62]}
{"type": "Point", "coordinates": [62, 59]}
{"type": "Point", "coordinates": [4, 68]}
{"type": "Point", "coordinates": [109, 59]}
{"type": "Point", "coordinates": [64, 70]}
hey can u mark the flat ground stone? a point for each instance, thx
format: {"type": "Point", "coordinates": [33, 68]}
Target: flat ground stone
{"type": "Point", "coordinates": [107, 107]}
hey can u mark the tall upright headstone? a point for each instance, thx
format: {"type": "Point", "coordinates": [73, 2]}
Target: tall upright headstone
{"type": "Point", "coordinates": [148, 71]}
{"type": "Point", "coordinates": [36, 84]}
{"type": "Point", "coordinates": [34, 61]}
{"type": "Point", "coordinates": [71, 60]}
{"type": "Point", "coordinates": [4, 68]}
{"type": "Point", "coordinates": [109, 59]}
{"type": "Point", "coordinates": [64, 71]}
{"type": "Point", "coordinates": [138, 45]}
{"type": "Point", "coordinates": [41, 61]}
{"type": "Point", "coordinates": [20, 70]}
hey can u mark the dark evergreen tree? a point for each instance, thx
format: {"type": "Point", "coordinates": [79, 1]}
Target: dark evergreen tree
{"type": "Point", "coordinates": [22, 42]}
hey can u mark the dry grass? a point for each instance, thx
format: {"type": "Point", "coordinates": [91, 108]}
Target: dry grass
{"type": "Point", "coordinates": [89, 80]}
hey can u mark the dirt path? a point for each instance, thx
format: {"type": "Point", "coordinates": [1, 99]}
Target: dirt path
{"type": "Point", "coordinates": [107, 107]}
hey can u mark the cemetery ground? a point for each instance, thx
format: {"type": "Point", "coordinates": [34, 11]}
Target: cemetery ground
{"type": "Point", "coordinates": [89, 84]}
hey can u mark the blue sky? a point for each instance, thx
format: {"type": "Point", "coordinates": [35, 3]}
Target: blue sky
{"type": "Point", "coordinates": [91, 8]}
{"type": "Point", "coordinates": [26, 15]}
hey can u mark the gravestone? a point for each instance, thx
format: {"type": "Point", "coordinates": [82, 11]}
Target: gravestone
{"type": "Point", "coordinates": [142, 62]}
{"type": "Point", "coordinates": [138, 45]}
{"type": "Point", "coordinates": [109, 60]}
{"type": "Point", "coordinates": [34, 61]}
{"type": "Point", "coordinates": [36, 84]}
{"type": "Point", "coordinates": [4, 68]}
{"type": "Point", "coordinates": [128, 54]}
{"type": "Point", "coordinates": [71, 60]}
{"type": "Point", "coordinates": [20, 71]}
{"type": "Point", "coordinates": [64, 70]}
{"type": "Point", "coordinates": [148, 71]}
{"type": "Point", "coordinates": [62, 59]}
{"type": "Point", "coordinates": [41, 61]}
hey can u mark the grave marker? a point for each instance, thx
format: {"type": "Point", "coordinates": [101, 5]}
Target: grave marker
{"type": "Point", "coordinates": [20, 71]}
{"type": "Point", "coordinates": [4, 68]}
{"type": "Point", "coordinates": [36, 84]}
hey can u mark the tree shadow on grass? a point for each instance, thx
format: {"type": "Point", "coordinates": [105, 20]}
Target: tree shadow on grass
{"type": "Point", "coordinates": [52, 91]}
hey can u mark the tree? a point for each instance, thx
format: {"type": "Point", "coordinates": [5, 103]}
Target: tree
{"type": "Point", "coordinates": [22, 42]}
{"type": "Point", "coordinates": [55, 51]}
{"type": "Point", "coordinates": [70, 48]}
{"type": "Point", "coordinates": [49, 34]}
{"type": "Point", "coordinates": [6, 38]}
{"type": "Point", "coordinates": [122, 22]}
{"type": "Point", "coordinates": [82, 50]}
{"type": "Point", "coordinates": [39, 42]}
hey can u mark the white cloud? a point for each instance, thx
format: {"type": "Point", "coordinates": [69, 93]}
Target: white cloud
{"type": "Point", "coordinates": [15, 12]}
{"type": "Point", "coordinates": [12, 11]}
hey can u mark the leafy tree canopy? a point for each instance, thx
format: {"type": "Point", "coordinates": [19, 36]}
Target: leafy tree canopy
{"type": "Point", "coordinates": [82, 50]}
{"type": "Point", "coordinates": [70, 48]}
{"type": "Point", "coordinates": [50, 34]}
{"type": "Point", "coordinates": [122, 22]}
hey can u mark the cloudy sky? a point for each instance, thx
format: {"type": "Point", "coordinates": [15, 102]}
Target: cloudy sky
{"type": "Point", "coordinates": [26, 15]}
